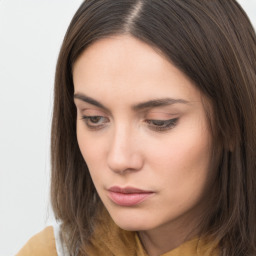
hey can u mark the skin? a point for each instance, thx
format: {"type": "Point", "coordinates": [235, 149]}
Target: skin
{"type": "Point", "coordinates": [122, 146]}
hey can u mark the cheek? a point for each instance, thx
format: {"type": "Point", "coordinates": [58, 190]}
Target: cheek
{"type": "Point", "coordinates": [93, 150]}
{"type": "Point", "coordinates": [180, 151]}
{"type": "Point", "coordinates": [183, 160]}
{"type": "Point", "coordinates": [88, 147]}
{"type": "Point", "coordinates": [92, 157]}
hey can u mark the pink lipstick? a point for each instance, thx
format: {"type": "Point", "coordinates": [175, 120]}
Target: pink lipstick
{"type": "Point", "coordinates": [128, 196]}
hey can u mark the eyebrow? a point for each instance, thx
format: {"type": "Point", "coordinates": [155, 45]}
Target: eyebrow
{"type": "Point", "coordinates": [158, 103]}
{"type": "Point", "coordinates": [141, 106]}
{"type": "Point", "coordinates": [89, 100]}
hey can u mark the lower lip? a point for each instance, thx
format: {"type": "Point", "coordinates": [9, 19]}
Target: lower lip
{"type": "Point", "coordinates": [131, 199]}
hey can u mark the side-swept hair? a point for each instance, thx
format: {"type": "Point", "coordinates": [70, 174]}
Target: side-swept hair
{"type": "Point", "coordinates": [214, 44]}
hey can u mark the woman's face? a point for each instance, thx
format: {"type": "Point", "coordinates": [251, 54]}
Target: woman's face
{"type": "Point", "coordinates": [143, 132]}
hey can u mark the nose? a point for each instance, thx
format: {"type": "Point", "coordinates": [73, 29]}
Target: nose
{"type": "Point", "coordinates": [124, 154]}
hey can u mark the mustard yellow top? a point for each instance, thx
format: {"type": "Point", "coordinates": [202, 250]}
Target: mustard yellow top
{"type": "Point", "coordinates": [43, 244]}
{"type": "Point", "coordinates": [110, 240]}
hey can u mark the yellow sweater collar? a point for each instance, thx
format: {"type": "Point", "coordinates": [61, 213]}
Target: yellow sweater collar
{"type": "Point", "coordinates": [110, 240]}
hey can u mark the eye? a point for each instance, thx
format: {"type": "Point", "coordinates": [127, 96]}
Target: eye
{"type": "Point", "coordinates": [95, 122]}
{"type": "Point", "coordinates": [162, 125]}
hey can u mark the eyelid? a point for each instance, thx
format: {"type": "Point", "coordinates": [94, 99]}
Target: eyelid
{"type": "Point", "coordinates": [165, 124]}
{"type": "Point", "coordinates": [88, 109]}
{"type": "Point", "coordinates": [157, 115]}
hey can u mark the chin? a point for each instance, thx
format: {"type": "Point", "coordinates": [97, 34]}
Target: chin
{"type": "Point", "coordinates": [131, 221]}
{"type": "Point", "coordinates": [131, 226]}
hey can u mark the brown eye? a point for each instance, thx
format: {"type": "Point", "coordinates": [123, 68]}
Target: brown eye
{"type": "Point", "coordinates": [95, 119]}
{"type": "Point", "coordinates": [95, 122]}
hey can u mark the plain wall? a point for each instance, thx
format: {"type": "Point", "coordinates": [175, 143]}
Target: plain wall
{"type": "Point", "coordinates": [31, 32]}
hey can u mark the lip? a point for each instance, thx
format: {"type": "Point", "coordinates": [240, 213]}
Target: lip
{"type": "Point", "coordinates": [128, 196]}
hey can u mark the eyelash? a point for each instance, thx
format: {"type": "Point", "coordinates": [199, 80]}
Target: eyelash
{"type": "Point", "coordinates": [91, 124]}
{"type": "Point", "coordinates": [162, 125]}
{"type": "Point", "coordinates": [156, 125]}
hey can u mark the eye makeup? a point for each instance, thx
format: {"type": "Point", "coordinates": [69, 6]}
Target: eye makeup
{"type": "Point", "coordinates": [162, 125]}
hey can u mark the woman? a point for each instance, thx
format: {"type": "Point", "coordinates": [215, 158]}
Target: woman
{"type": "Point", "coordinates": [153, 133]}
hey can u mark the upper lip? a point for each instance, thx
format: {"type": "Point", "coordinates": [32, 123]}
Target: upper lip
{"type": "Point", "coordinates": [128, 190]}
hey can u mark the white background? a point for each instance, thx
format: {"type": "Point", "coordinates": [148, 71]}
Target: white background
{"type": "Point", "coordinates": [31, 32]}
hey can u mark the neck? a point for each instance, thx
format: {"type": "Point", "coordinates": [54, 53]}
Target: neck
{"type": "Point", "coordinates": [167, 237]}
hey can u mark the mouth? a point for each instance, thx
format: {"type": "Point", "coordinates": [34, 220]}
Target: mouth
{"type": "Point", "coordinates": [128, 196]}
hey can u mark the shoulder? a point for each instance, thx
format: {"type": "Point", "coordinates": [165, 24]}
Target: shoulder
{"type": "Point", "coordinates": [42, 244]}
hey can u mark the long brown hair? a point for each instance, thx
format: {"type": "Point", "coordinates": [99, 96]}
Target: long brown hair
{"type": "Point", "coordinates": [214, 44]}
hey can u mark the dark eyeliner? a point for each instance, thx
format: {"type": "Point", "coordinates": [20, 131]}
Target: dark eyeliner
{"type": "Point", "coordinates": [162, 125]}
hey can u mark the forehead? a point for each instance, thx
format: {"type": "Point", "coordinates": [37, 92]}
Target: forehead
{"type": "Point", "coordinates": [125, 67]}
